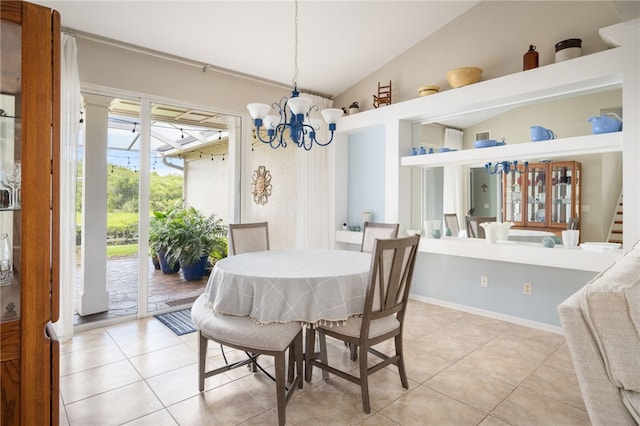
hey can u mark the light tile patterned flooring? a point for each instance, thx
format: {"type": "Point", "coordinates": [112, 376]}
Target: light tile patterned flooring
{"type": "Point", "coordinates": [463, 370]}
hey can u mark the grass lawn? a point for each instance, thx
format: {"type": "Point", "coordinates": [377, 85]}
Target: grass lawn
{"type": "Point", "coordinates": [122, 250]}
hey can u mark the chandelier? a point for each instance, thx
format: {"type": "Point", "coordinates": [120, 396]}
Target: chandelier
{"type": "Point", "coordinates": [293, 120]}
{"type": "Point", "coordinates": [505, 167]}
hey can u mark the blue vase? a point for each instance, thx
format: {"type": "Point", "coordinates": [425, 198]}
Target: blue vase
{"type": "Point", "coordinates": [164, 264]}
{"type": "Point", "coordinates": [435, 233]}
{"type": "Point", "coordinates": [195, 271]}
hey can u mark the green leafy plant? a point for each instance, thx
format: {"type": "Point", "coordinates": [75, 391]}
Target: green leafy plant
{"type": "Point", "coordinates": [186, 235]}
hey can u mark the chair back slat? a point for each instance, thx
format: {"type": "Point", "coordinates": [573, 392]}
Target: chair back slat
{"type": "Point", "coordinates": [248, 237]}
{"type": "Point", "coordinates": [390, 277]}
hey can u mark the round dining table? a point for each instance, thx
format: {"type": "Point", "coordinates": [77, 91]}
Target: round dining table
{"type": "Point", "coordinates": [306, 285]}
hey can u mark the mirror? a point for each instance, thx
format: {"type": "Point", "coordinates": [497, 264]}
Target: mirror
{"type": "Point", "coordinates": [567, 117]}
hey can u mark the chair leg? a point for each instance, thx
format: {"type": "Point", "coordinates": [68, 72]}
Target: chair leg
{"type": "Point", "coordinates": [202, 360]}
{"type": "Point", "coordinates": [401, 369]}
{"type": "Point", "coordinates": [364, 380]}
{"type": "Point", "coordinates": [291, 363]}
{"type": "Point", "coordinates": [309, 352]}
{"type": "Point", "coordinates": [280, 388]}
{"type": "Point", "coordinates": [297, 348]}
{"type": "Point", "coordinates": [353, 352]}
{"type": "Point", "coordinates": [323, 353]}
{"type": "Point", "coordinates": [254, 365]}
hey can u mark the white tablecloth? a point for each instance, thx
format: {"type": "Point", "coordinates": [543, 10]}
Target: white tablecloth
{"type": "Point", "coordinates": [290, 285]}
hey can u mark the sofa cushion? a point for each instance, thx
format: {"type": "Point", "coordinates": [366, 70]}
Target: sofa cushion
{"type": "Point", "coordinates": [612, 311]}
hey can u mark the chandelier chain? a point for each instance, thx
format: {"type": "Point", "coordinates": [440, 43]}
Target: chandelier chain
{"type": "Point", "coordinates": [294, 80]}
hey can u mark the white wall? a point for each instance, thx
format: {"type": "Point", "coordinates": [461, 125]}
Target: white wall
{"type": "Point", "coordinates": [494, 35]}
{"type": "Point", "coordinates": [106, 66]}
{"type": "Point", "coordinates": [280, 209]}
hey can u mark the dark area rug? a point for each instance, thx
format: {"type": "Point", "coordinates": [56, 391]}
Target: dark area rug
{"type": "Point", "coordinates": [179, 321]}
{"type": "Point", "coordinates": [179, 302]}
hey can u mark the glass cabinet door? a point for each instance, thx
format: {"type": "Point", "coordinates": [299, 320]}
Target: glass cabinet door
{"type": "Point", "coordinates": [536, 195]}
{"type": "Point", "coordinates": [565, 177]}
{"type": "Point", "coordinates": [514, 208]}
{"type": "Point", "coordinates": [10, 171]}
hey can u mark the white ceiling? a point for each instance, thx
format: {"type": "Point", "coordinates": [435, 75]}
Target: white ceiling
{"type": "Point", "coordinates": [339, 42]}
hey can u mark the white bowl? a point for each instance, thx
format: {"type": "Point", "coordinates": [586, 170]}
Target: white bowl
{"type": "Point", "coordinates": [600, 247]}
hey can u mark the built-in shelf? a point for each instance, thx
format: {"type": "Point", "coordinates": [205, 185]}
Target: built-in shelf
{"type": "Point", "coordinates": [477, 102]}
{"type": "Point", "coordinates": [349, 237]}
{"type": "Point", "coordinates": [507, 251]}
{"type": "Point", "coordinates": [530, 151]}
{"type": "Point", "coordinates": [520, 252]}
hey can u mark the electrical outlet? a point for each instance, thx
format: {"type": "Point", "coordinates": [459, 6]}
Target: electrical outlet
{"type": "Point", "coordinates": [484, 281]}
{"type": "Point", "coordinates": [527, 289]}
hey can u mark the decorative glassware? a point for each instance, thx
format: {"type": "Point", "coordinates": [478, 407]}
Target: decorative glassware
{"type": "Point", "coordinates": [11, 175]}
{"type": "Point", "coordinates": [6, 265]}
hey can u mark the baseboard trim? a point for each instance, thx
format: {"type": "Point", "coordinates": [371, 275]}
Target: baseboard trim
{"type": "Point", "coordinates": [490, 314]}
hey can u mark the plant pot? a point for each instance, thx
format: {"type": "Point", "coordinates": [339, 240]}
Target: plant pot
{"type": "Point", "coordinates": [155, 262]}
{"type": "Point", "coordinates": [165, 267]}
{"type": "Point", "coordinates": [195, 271]}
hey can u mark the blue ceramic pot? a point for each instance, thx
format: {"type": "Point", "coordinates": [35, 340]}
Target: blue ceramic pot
{"type": "Point", "coordinates": [164, 265]}
{"type": "Point", "coordinates": [195, 271]}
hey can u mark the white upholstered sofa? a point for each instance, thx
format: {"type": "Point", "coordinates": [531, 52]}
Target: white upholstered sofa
{"type": "Point", "coordinates": [602, 328]}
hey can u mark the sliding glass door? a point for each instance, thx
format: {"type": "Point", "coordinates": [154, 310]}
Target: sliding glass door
{"type": "Point", "coordinates": [140, 158]}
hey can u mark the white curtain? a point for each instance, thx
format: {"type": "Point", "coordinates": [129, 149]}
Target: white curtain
{"type": "Point", "coordinates": [313, 187]}
{"type": "Point", "coordinates": [455, 180]}
{"type": "Point", "coordinates": [70, 105]}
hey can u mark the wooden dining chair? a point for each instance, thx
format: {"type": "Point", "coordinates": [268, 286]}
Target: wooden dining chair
{"type": "Point", "coordinates": [385, 306]}
{"type": "Point", "coordinates": [248, 237]}
{"type": "Point", "coordinates": [373, 230]}
{"type": "Point", "coordinates": [244, 334]}
{"type": "Point", "coordinates": [573, 223]}
{"type": "Point", "coordinates": [473, 225]}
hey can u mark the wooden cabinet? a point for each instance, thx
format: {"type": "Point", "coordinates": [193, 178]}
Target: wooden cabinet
{"type": "Point", "coordinates": [29, 140]}
{"type": "Point", "coordinates": [544, 196]}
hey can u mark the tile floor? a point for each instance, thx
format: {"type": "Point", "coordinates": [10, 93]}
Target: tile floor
{"type": "Point", "coordinates": [463, 370]}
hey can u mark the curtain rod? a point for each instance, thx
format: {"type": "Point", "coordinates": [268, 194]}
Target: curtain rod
{"type": "Point", "coordinates": [178, 59]}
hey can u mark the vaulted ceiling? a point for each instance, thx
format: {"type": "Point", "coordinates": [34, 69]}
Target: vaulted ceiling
{"type": "Point", "coordinates": [339, 42]}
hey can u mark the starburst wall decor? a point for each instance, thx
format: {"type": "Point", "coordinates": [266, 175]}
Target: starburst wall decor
{"type": "Point", "coordinates": [261, 185]}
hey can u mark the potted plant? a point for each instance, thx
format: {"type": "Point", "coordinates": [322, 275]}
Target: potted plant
{"type": "Point", "coordinates": [192, 238]}
{"type": "Point", "coordinates": [160, 240]}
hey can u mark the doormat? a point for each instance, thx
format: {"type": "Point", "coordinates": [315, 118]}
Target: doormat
{"type": "Point", "coordinates": [179, 302]}
{"type": "Point", "coordinates": [179, 321]}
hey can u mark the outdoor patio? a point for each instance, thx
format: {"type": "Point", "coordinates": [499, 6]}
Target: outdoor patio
{"type": "Point", "coordinates": [164, 290]}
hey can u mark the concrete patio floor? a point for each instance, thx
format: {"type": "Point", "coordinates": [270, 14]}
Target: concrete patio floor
{"type": "Point", "coordinates": [165, 290]}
